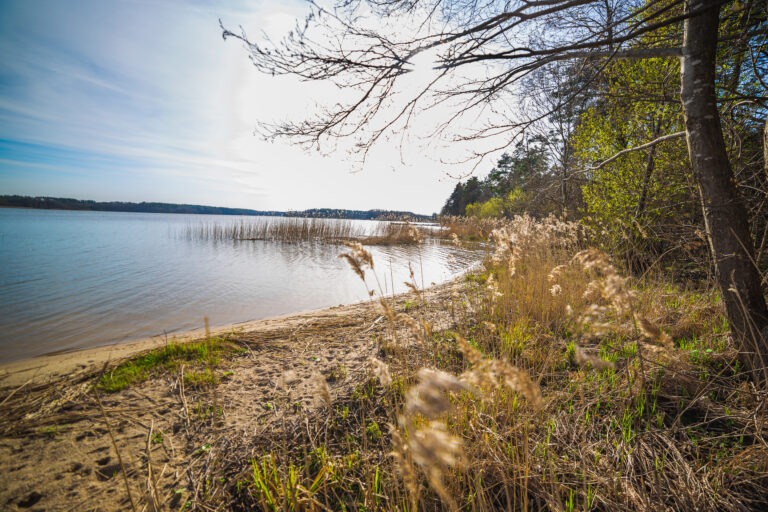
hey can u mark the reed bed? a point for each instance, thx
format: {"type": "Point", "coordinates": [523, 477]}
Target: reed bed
{"type": "Point", "coordinates": [294, 229]}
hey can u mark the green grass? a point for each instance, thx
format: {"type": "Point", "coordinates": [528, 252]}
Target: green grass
{"type": "Point", "coordinates": [199, 356]}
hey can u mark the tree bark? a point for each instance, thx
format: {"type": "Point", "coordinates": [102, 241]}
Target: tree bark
{"type": "Point", "coordinates": [725, 215]}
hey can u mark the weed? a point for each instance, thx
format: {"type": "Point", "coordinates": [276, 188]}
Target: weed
{"type": "Point", "coordinates": [373, 431]}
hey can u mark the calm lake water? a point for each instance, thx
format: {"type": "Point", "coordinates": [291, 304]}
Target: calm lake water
{"type": "Point", "coordinates": [71, 280]}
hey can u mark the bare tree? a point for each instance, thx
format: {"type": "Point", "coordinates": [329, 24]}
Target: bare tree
{"type": "Point", "coordinates": [483, 49]}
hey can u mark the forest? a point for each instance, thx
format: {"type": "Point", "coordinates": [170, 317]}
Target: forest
{"type": "Point", "coordinates": [60, 203]}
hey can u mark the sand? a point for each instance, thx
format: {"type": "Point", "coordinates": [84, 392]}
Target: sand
{"type": "Point", "coordinates": [151, 447]}
{"type": "Point", "coordinates": [52, 367]}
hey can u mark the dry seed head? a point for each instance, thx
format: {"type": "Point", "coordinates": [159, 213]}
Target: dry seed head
{"type": "Point", "coordinates": [288, 378]}
{"type": "Point", "coordinates": [359, 251]}
{"type": "Point", "coordinates": [592, 292]}
{"type": "Point", "coordinates": [582, 358]}
{"type": "Point", "coordinates": [489, 326]}
{"type": "Point", "coordinates": [357, 258]}
{"type": "Point", "coordinates": [355, 264]}
{"type": "Point", "coordinates": [401, 455]}
{"type": "Point", "coordinates": [414, 234]}
{"type": "Point", "coordinates": [434, 447]}
{"type": "Point", "coordinates": [652, 331]}
{"type": "Point", "coordinates": [615, 290]}
{"type": "Point", "coordinates": [412, 324]}
{"type": "Point", "coordinates": [472, 355]}
{"type": "Point", "coordinates": [593, 259]}
{"type": "Point", "coordinates": [381, 371]}
{"type": "Point", "coordinates": [490, 373]}
{"type": "Point", "coordinates": [426, 328]}
{"type": "Point", "coordinates": [429, 398]}
{"type": "Point", "coordinates": [322, 392]}
{"type": "Point", "coordinates": [436, 450]}
{"type": "Point", "coordinates": [493, 287]}
{"type": "Point", "coordinates": [387, 309]}
{"type": "Point", "coordinates": [556, 290]}
{"type": "Point", "coordinates": [413, 288]}
{"type": "Point", "coordinates": [511, 265]}
{"type": "Point", "coordinates": [555, 273]}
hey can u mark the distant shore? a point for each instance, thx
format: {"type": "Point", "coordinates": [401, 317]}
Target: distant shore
{"type": "Point", "coordinates": [65, 203]}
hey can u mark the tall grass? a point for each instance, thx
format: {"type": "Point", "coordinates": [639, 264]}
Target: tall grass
{"type": "Point", "coordinates": [294, 229]}
{"type": "Point", "coordinates": [561, 385]}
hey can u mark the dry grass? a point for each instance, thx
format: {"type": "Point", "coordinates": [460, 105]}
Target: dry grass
{"type": "Point", "coordinates": [562, 386]}
{"type": "Point", "coordinates": [469, 228]}
{"type": "Point", "coordinates": [559, 384]}
{"type": "Point", "coordinates": [296, 229]}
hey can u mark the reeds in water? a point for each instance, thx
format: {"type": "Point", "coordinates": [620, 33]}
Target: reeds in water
{"type": "Point", "coordinates": [296, 229]}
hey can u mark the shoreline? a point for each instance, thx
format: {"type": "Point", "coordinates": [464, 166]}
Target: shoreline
{"type": "Point", "coordinates": [48, 368]}
{"type": "Point", "coordinates": [44, 368]}
{"type": "Point", "coordinates": [98, 449]}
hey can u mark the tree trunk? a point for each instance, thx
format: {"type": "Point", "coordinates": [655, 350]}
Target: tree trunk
{"type": "Point", "coordinates": [650, 164]}
{"type": "Point", "coordinates": [725, 215]}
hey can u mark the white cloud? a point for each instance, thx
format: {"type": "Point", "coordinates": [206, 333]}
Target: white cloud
{"type": "Point", "coordinates": [151, 89]}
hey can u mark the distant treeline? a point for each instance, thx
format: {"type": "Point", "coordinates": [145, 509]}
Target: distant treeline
{"type": "Point", "coordinates": [60, 203]}
{"type": "Point", "coordinates": [332, 213]}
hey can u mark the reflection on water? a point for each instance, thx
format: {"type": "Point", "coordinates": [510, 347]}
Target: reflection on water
{"type": "Point", "coordinates": [71, 280]}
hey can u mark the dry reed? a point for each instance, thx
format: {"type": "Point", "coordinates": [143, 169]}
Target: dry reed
{"type": "Point", "coordinates": [295, 229]}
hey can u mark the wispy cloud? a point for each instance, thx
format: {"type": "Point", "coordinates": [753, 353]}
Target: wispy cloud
{"type": "Point", "coordinates": [123, 99]}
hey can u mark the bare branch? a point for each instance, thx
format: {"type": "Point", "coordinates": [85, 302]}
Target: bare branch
{"type": "Point", "coordinates": [647, 145]}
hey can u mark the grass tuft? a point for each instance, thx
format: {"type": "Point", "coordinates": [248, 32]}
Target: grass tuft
{"type": "Point", "coordinates": [200, 355]}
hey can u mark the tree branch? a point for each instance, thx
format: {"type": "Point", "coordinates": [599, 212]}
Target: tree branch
{"type": "Point", "coordinates": [637, 148]}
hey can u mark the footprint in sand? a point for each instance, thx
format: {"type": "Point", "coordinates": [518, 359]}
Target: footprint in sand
{"type": "Point", "coordinates": [107, 472]}
{"type": "Point", "coordinates": [30, 500]}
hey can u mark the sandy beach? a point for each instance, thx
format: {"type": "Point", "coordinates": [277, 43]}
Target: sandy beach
{"type": "Point", "coordinates": [64, 446]}
{"type": "Point", "coordinates": [49, 368]}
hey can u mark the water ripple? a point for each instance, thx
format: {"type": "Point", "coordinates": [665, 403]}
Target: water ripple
{"type": "Point", "coordinates": [80, 279]}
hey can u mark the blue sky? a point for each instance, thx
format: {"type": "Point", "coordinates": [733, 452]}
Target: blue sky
{"type": "Point", "coordinates": [142, 100]}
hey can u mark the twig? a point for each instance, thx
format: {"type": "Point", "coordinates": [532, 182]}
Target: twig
{"type": "Point", "coordinates": [183, 397]}
{"type": "Point", "coordinates": [151, 480]}
{"type": "Point", "coordinates": [14, 392]}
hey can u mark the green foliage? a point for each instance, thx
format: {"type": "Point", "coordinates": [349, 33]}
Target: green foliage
{"type": "Point", "coordinates": [169, 358]}
{"type": "Point", "coordinates": [504, 192]}
{"type": "Point", "coordinates": [512, 203]}
{"type": "Point", "coordinates": [494, 207]}
{"type": "Point", "coordinates": [643, 199]}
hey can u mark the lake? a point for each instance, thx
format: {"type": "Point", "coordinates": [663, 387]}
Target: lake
{"type": "Point", "coordinates": [78, 279]}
